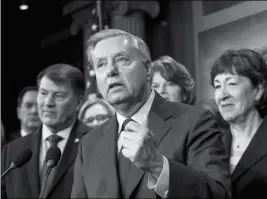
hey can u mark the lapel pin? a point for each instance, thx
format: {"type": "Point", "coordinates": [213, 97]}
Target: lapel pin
{"type": "Point", "coordinates": [76, 140]}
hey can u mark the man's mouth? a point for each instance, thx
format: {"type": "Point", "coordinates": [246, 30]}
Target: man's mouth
{"type": "Point", "coordinates": [114, 85]}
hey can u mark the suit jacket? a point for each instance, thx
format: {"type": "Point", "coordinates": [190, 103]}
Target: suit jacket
{"type": "Point", "coordinates": [187, 136]}
{"type": "Point", "coordinates": [249, 178]}
{"type": "Point", "coordinates": [24, 182]}
{"type": "Point", "coordinates": [14, 136]}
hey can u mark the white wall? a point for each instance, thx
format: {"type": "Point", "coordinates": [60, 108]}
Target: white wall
{"type": "Point", "coordinates": [242, 25]}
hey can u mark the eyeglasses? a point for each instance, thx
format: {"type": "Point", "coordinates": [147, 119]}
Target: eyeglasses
{"type": "Point", "coordinates": [99, 118]}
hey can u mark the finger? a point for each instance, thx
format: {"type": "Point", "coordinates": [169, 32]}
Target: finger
{"type": "Point", "coordinates": [130, 135]}
{"type": "Point", "coordinates": [127, 153]}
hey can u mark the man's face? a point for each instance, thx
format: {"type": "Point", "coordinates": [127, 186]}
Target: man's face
{"type": "Point", "coordinates": [57, 104]}
{"type": "Point", "coordinates": [120, 70]}
{"type": "Point", "coordinates": [27, 111]}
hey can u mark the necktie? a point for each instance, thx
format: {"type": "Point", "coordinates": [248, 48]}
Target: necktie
{"type": "Point", "coordinates": [124, 164]}
{"type": "Point", "coordinates": [53, 140]}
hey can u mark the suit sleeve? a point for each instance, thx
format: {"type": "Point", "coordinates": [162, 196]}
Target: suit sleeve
{"type": "Point", "coordinates": [78, 187]}
{"type": "Point", "coordinates": [3, 168]}
{"type": "Point", "coordinates": [206, 173]}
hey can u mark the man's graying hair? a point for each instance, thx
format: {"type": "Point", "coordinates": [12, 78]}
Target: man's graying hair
{"type": "Point", "coordinates": [138, 43]}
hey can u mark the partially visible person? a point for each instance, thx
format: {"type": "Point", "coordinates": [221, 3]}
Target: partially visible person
{"type": "Point", "coordinates": [173, 81]}
{"type": "Point", "coordinates": [27, 112]}
{"type": "Point", "coordinates": [239, 78]}
{"type": "Point", "coordinates": [95, 113]}
{"type": "Point", "coordinates": [60, 96]}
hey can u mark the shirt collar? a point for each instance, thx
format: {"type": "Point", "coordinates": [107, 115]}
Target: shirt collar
{"type": "Point", "coordinates": [141, 115]}
{"type": "Point", "coordinates": [23, 133]}
{"type": "Point", "coordinates": [65, 133]}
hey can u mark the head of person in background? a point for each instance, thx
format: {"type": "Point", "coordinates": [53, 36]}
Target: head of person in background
{"type": "Point", "coordinates": [27, 111]}
{"type": "Point", "coordinates": [95, 113]}
{"type": "Point", "coordinates": [60, 95]}
{"type": "Point", "coordinates": [239, 78]}
{"type": "Point", "coordinates": [173, 81]}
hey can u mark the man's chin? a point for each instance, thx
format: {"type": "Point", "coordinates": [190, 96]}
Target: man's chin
{"type": "Point", "coordinates": [116, 99]}
{"type": "Point", "coordinates": [49, 122]}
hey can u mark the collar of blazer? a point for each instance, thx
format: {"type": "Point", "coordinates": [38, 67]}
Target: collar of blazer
{"type": "Point", "coordinates": [255, 151]}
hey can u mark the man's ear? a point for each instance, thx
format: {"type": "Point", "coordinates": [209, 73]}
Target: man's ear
{"type": "Point", "coordinates": [149, 70]}
{"type": "Point", "coordinates": [18, 112]}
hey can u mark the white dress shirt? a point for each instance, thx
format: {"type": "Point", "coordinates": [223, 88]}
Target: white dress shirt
{"type": "Point", "coordinates": [161, 185]}
{"type": "Point", "coordinates": [45, 144]}
{"type": "Point", "coordinates": [23, 133]}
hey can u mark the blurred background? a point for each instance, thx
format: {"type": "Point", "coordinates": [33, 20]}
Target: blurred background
{"type": "Point", "coordinates": [194, 33]}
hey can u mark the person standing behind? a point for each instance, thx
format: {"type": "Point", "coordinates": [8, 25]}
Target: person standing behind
{"type": "Point", "coordinates": [27, 112]}
{"type": "Point", "coordinates": [239, 78]}
{"type": "Point", "coordinates": [95, 113]}
{"type": "Point", "coordinates": [60, 96]}
{"type": "Point", "coordinates": [173, 81]}
{"type": "Point", "coordinates": [151, 147]}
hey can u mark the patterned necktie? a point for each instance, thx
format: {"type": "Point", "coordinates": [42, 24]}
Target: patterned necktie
{"type": "Point", "coordinates": [124, 163]}
{"type": "Point", "coordinates": [53, 140]}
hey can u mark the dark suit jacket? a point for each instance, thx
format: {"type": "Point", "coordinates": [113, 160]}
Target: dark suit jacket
{"type": "Point", "coordinates": [249, 178]}
{"type": "Point", "coordinates": [14, 136]}
{"type": "Point", "coordinates": [187, 136]}
{"type": "Point", "coordinates": [24, 182]}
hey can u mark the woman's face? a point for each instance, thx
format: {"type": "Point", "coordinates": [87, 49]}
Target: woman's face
{"type": "Point", "coordinates": [95, 115]}
{"type": "Point", "coordinates": [235, 96]}
{"type": "Point", "coordinates": [166, 89]}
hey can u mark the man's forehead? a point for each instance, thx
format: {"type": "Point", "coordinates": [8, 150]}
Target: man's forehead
{"type": "Point", "coordinates": [113, 42]}
{"type": "Point", "coordinates": [58, 84]}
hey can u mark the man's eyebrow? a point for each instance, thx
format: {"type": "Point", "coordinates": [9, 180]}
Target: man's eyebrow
{"type": "Point", "coordinates": [121, 53]}
{"type": "Point", "coordinates": [100, 59]}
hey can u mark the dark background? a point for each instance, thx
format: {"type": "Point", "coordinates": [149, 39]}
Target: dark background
{"type": "Point", "coordinates": [26, 51]}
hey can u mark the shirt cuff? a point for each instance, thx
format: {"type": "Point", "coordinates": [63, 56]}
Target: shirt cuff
{"type": "Point", "coordinates": [160, 185]}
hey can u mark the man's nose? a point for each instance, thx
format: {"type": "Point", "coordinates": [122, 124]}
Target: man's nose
{"type": "Point", "coordinates": [112, 70]}
{"type": "Point", "coordinates": [49, 101]}
{"type": "Point", "coordinates": [95, 122]}
{"type": "Point", "coordinates": [34, 109]}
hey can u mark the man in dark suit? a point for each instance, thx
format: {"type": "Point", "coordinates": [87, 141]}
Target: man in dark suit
{"type": "Point", "coordinates": [60, 96]}
{"type": "Point", "coordinates": [27, 112]}
{"type": "Point", "coordinates": [151, 147]}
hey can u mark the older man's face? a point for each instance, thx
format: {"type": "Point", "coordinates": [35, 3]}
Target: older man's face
{"type": "Point", "coordinates": [120, 71]}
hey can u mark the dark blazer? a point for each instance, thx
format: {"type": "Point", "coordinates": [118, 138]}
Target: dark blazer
{"type": "Point", "coordinates": [14, 136]}
{"type": "Point", "coordinates": [187, 136]}
{"type": "Point", "coordinates": [249, 178]}
{"type": "Point", "coordinates": [24, 182]}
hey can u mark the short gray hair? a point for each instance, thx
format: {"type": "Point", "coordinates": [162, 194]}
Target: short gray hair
{"type": "Point", "coordinates": [109, 33]}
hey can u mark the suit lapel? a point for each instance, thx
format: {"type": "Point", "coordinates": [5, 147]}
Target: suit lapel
{"type": "Point", "coordinates": [255, 151]}
{"type": "Point", "coordinates": [107, 150]}
{"type": "Point", "coordinates": [70, 152]}
{"type": "Point", "coordinates": [159, 125]}
{"type": "Point", "coordinates": [32, 168]}
{"type": "Point", "coordinates": [227, 140]}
